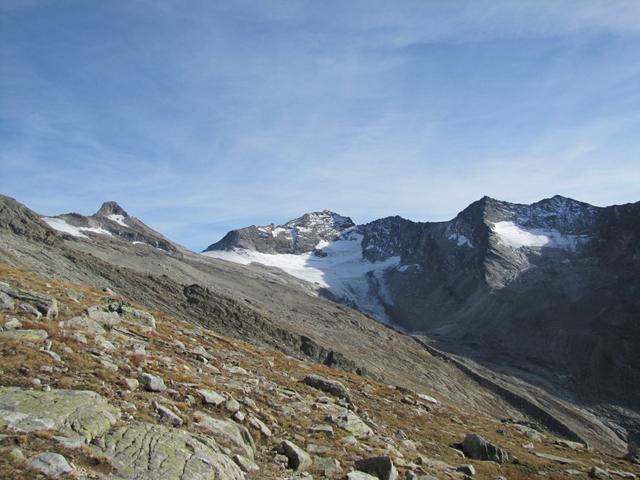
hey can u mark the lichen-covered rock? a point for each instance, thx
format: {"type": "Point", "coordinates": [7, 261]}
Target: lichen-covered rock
{"type": "Point", "coordinates": [381, 467]}
{"type": "Point", "coordinates": [145, 451]}
{"type": "Point", "coordinates": [298, 458]}
{"type": "Point", "coordinates": [77, 413]}
{"type": "Point", "coordinates": [327, 385]}
{"type": "Point", "coordinates": [209, 397]}
{"type": "Point", "coordinates": [134, 315]}
{"type": "Point", "coordinates": [476, 447]}
{"type": "Point", "coordinates": [83, 323]}
{"type": "Point", "coordinates": [6, 302]}
{"type": "Point", "coordinates": [105, 318]}
{"type": "Point", "coordinates": [349, 421]}
{"type": "Point", "coordinates": [230, 434]}
{"type": "Point", "coordinates": [152, 383]}
{"type": "Point", "coordinates": [25, 335]}
{"type": "Point", "coordinates": [50, 464]}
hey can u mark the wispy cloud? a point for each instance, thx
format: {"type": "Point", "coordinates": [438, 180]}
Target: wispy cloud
{"type": "Point", "coordinates": [207, 116]}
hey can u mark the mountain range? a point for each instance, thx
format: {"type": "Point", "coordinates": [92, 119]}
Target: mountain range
{"type": "Point", "coordinates": [534, 308]}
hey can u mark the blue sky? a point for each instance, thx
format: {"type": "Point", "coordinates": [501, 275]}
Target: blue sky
{"type": "Point", "coordinates": [200, 116]}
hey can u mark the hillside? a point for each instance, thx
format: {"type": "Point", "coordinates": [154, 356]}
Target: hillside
{"type": "Point", "coordinates": [172, 400]}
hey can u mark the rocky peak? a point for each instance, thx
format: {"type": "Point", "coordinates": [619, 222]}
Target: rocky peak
{"type": "Point", "coordinates": [325, 219]}
{"type": "Point", "coordinates": [111, 208]}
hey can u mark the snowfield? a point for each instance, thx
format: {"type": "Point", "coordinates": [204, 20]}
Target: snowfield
{"type": "Point", "coordinates": [119, 219]}
{"type": "Point", "coordinates": [343, 271]}
{"type": "Point", "coordinates": [62, 226]}
{"type": "Point", "coordinates": [515, 236]}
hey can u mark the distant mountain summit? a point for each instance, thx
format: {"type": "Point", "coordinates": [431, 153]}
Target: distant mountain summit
{"type": "Point", "coordinates": [312, 231]}
{"type": "Point", "coordinates": [110, 222]}
{"type": "Point", "coordinates": [546, 287]}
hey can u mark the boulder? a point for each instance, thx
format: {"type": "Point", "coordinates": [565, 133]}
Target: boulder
{"type": "Point", "coordinates": [599, 474]}
{"type": "Point", "coordinates": [134, 315]}
{"type": "Point", "coordinates": [332, 387]}
{"type": "Point", "coordinates": [50, 464]}
{"type": "Point", "coordinates": [349, 421]}
{"type": "Point", "coordinates": [467, 469]}
{"type": "Point", "coordinates": [6, 302]}
{"type": "Point", "coordinates": [76, 413]}
{"type": "Point", "coordinates": [142, 450]}
{"type": "Point", "coordinates": [260, 426]}
{"type": "Point", "coordinates": [105, 318]}
{"type": "Point", "coordinates": [326, 465]}
{"type": "Point", "coordinates": [83, 323]}
{"type": "Point", "coordinates": [152, 383]}
{"type": "Point", "coordinates": [167, 414]}
{"type": "Point", "coordinates": [298, 458]}
{"type": "Point", "coordinates": [209, 397]}
{"type": "Point", "coordinates": [230, 434]}
{"type": "Point", "coordinates": [41, 303]}
{"type": "Point", "coordinates": [476, 447]}
{"type": "Point", "coordinates": [381, 467]}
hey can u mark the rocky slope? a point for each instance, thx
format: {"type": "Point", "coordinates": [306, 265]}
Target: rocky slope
{"type": "Point", "coordinates": [95, 387]}
{"type": "Point", "coordinates": [271, 309]}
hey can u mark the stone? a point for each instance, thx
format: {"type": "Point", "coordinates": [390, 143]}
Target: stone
{"type": "Point", "coordinates": [25, 335]}
{"type": "Point", "coordinates": [428, 398]}
{"type": "Point", "coordinates": [621, 474]}
{"type": "Point", "coordinates": [260, 426]}
{"type": "Point", "coordinates": [6, 302]}
{"type": "Point", "coordinates": [75, 413]}
{"type": "Point", "coordinates": [13, 324]}
{"type": "Point", "coordinates": [381, 467]}
{"type": "Point", "coordinates": [140, 317]}
{"type": "Point", "coordinates": [246, 464]}
{"type": "Point", "coordinates": [298, 459]}
{"type": "Point", "coordinates": [229, 433]}
{"type": "Point", "coordinates": [599, 474]}
{"type": "Point", "coordinates": [44, 304]}
{"type": "Point", "coordinates": [152, 383]}
{"type": "Point", "coordinates": [326, 429]}
{"type": "Point", "coordinates": [83, 323]}
{"type": "Point", "coordinates": [28, 308]}
{"type": "Point", "coordinates": [349, 421]}
{"type": "Point", "coordinates": [326, 465]}
{"type": "Point", "coordinates": [209, 397]}
{"type": "Point", "coordinates": [142, 450]}
{"type": "Point", "coordinates": [326, 385]}
{"type": "Point", "coordinates": [104, 318]}
{"type": "Point", "coordinates": [476, 447]}
{"type": "Point", "coordinates": [235, 370]}
{"type": "Point", "coordinates": [50, 464]}
{"type": "Point", "coordinates": [356, 475]}
{"type": "Point", "coordinates": [467, 469]}
{"type": "Point", "coordinates": [238, 416]}
{"type": "Point", "coordinates": [232, 405]}
{"type": "Point", "coordinates": [554, 458]}
{"type": "Point", "coordinates": [167, 414]}
{"type": "Point", "coordinates": [131, 383]}
{"type": "Point", "coordinates": [569, 444]}
{"type": "Point", "coordinates": [55, 357]}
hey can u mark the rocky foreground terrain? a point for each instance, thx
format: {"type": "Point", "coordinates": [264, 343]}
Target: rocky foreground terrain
{"type": "Point", "coordinates": [93, 385]}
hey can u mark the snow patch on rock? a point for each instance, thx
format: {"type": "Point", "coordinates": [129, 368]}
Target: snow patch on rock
{"type": "Point", "coordinates": [515, 236]}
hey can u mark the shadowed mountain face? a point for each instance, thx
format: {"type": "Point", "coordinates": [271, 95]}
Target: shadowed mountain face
{"type": "Point", "coordinates": [551, 289]}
